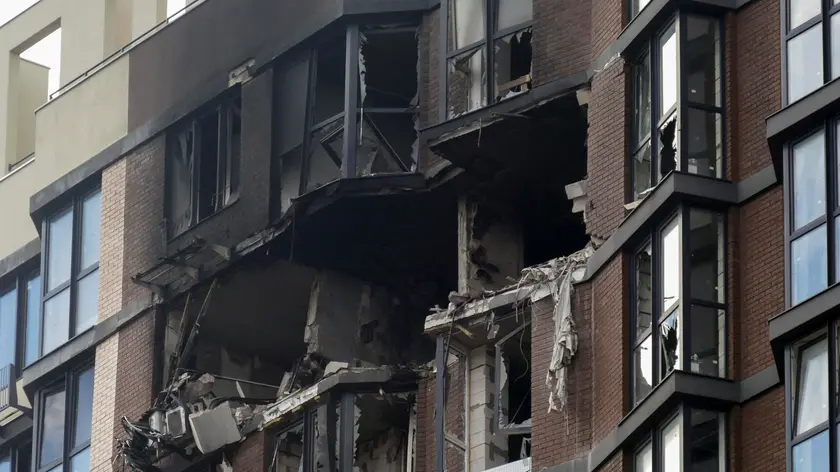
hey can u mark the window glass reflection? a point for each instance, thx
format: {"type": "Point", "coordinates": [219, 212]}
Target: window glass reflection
{"type": "Point", "coordinates": [33, 319]}
{"type": "Point", "coordinates": [707, 340]}
{"type": "Point", "coordinates": [83, 412]}
{"type": "Point", "coordinates": [705, 441]}
{"type": "Point", "coordinates": [644, 296]}
{"type": "Point", "coordinates": [668, 66]}
{"type": "Point", "coordinates": [812, 455]}
{"type": "Point", "coordinates": [52, 428]}
{"type": "Point", "coordinates": [8, 327]}
{"type": "Point", "coordinates": [802, 11]}
{"type": "Point", "coordinates": [803, 76]}
{"type": "Point", "coordinates": [809, 265]}
{"type": "Point", "coordinates": [59, 249]}
{"type": "Point", "coordinates": [513, 12]}
{"type": "Point", "coordinates": [643, 369]}
{"type": "Point", "coordinates": [671, 447]}
{"type": "Point", "coordinates": [644, 459]}
{"type": "Point", "coordinates": [90, 230]}
{"type": "Point", "coordinates": [811, 386]}
{"type": "Point", "coordinates": [808, 180]}
{"type": "Point", "coordinates": [670, 265]}
{"type": "Point", "coordinates": [466, 23]}
{"type": "Point", "coordinates": [87, 301]}
{"type": "Point", "coordinates": [56, 321]}
{"type": "Point", "coordinates": [701, 55]}
{"type": "Point", "coordinates": [707, 256]}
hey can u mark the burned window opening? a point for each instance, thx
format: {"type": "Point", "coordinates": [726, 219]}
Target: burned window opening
{"type": "Point", "coordinates": [202, 164]}
{"type": "Point", "coordinates": [387, 99]}
{"type": "Point", "coordinates": [381, 433]}
{"type": "Point", "coordinates": [472, 49]}
{"type": "Point", "coordinates": [513, 381]}
{"type": "Point", "coordinates": [288, 450]}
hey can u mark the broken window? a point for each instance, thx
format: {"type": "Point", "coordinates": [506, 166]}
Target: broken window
{"type": "Point", "coordinates": [381, 431]}
{"type": "Point", "coordinates": [679, 314]}
{"type": "Point", "coordinates": [692, 439]}
{"type": "Point", "coordinates": [677, 114]}
{"type": "Point", "coordinates": [202, 164]}
{"type": "Point", "coordinates": [387, 98]}
{"type": "Point", "coordinates": [288, 450]}
{"type": "Point", "coordinates": [513, 400]}
{"type": "Point", "coordinates": [507, 49]}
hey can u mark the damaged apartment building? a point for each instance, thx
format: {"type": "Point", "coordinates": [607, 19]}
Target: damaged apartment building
{"type": "Point", "coordinates": [420, 236]}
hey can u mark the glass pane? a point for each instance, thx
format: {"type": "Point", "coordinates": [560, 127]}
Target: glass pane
{"type": "Point", "coordinates": [668, 68]}
{"type": "Point", "coordinates": [804, 64]}
{"type": "Point", "coordinates": [702, 57]}
{"type": "Point", "coordinates": [466, 23]}
{"type": "Point", "coordinates": [707, 341]}
{"type": "Point", "coordinates": [91, 210]}
{"type": "Point", "coordinates": [671, 446]}
{"type": "Point", "coordinates": [84, 407]}
{"type": "Point", "coordinates": [8, 327]}
{"type": "Point", "coordinates": [291, 105]}
{"type": "Point", "coordinates": [87, 302]}
{"type": "Point", "coordinates": [513, 12]}
{"type": "Point", "coordinates": [512, 61]}
{"type": "Point", "coordinates": [56, 321]}
{"type": "Point", "coordinates": [808, 180]}
{"type": "Point", "coordinates": [643, 369]}
{"type": "Point", "coordinates": [705, 148]}
{"type": "Point", "coordinates": [467, 82]}
{"type": "Point", "coordinates": [52, 428]}
{"type": "Point", "coordinates": [812, 455]}
{"type": "Point", "coordinates": [707, 256]}
{"type": "Point", "coordinates": [644, 286]}
{"type": "Point", "coordinates": [387, 143]}
{"type": "Point", "coordinates": [644, 459]}
{"type": "Point", "coordinates": [33, 319]}
{"type": "Point", "coordinates": [802, 11]}
{"type": "Point", "coordinates": [641, 171]}
{"type": "Point", "coordinates": [326, 154]}
{"type": "Point", "coordinates": [809, 265]}
{"type": "Point", "coordinates": [637, 6]}
{"type": "Point", "coordinates": [835, 45]}
{"type": "Point", "coordinates": [81, 461]}
{"type": "Point", "coordinates": [6, 463]}
{"type": "Point", "coordinates": [669, 345]}
{"type": "Point", "coordinates": [670, 265]}
{"type": "Point", "coordinates": [59, 249]}
{"type": "Point", "coordinates": [706, 448]}
{"type": "Point", "coordinates": [641, 100]}
{"type": "Point", "coordinates": [811, 386]}
{"type": "Point", "coordinates": [668, 146]}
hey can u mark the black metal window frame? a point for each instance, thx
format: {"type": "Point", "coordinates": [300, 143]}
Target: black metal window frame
{"type": "Point", "coordinates": [684, 304]}
{"type": "Point", "coordinates": [827, 10]}
{"type": "Point", "coordinates": [683, 416]}
{"type": "Point", "coordinates": [832, 422]}
{"type": "Point", "coordinates": [69, 385]}
{"type": "Point", "coordinates": [650, 56]}
{"type": "Point", "coordinates": [491, 35]}
{"type": "Point", "coordinates": [350, 121]}
{"type": "Point", "coordinates": [77, 273]}
{"type": "Point", "coordinates": [12, 453]}
{"type": "Point", "coordinates": [228, 108]}
{"type": "Point", "coordinates": [634, 7]}
{"type": "Point", "coordinates": [18, 282]}
{"type": "Point", "coordinates": [831, 140]}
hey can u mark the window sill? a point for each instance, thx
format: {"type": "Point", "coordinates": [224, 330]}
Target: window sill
{"type": "Point", "coordinates": [801, 320]}
{"type": "Point", "coordinates": [799, 118]}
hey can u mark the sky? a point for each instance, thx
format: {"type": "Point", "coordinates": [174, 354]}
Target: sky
{"type": "Point", "coordinates": [47, 52]}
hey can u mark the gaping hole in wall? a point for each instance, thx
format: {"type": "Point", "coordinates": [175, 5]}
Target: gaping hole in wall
{"type": "Point", "coordinates": [387, 97]}
{"type": "Point", "coordinates": [381, 431]}
{"type": "Point", "coordinates": [288, 450]}
{"type": "Point", "coordinates": [327, 115]}
{"type": "Point", "coordinates": [513, 64]}
{"type": "Point", "coordinates": [33, 76]}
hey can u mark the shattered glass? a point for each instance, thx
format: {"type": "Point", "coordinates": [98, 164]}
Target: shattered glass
{"type": "Point", "coordinates": [466, 23]}
{"type": "Point", "coordinates": [386, 144]}
{"type": "Point", "coordinates": [467, 82]}
{"type": "Point", "coordinates": [326, 153]}
{"type": "Point", "coordinates": [512, 62]}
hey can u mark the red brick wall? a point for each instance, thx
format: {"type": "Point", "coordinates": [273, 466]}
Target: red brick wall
{"type": "Point", "coordinates": [425, 442]}
{"type": "Point", "coordinates": [560, 437]}
{"type": "Point", "coordinates": [606, 162]}
{"type": "Point", "coordinates": [561, 39]}
{"type": "Point", "coordinates": [761, 445]}
{"type": "Point", "coordinates": [254, 454]}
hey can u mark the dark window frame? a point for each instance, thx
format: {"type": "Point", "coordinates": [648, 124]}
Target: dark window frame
{"type": "Point", "coordinates": [831, 148]}
{"type": "Point", "coordinates": [652, 50]}
{"type": "Point", "coordinates": [630, 7]}
{"type": "Point", "coordinates": [832, 423]}
{"type": "Point", "coordinates": [350, 121]}
{"type": "Point", "coordinates": [787, 34]}
{"type": "Point", "coordinates": [12, 452]}
{"type": "Point", "coordinates": [17, 281]}
{"type": "Point", "coordinates": [683, 306]}
{"type": "Point", "coordinates": [227, 109]}
{"type": "Point", "coordinates": [491, 35]}
{"type": "Point", "coordinates": [77, 273]}
{"type": "Point", "coordinates": [69, 385]}
{"type": "Point", "coordinates": [682, 414]}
